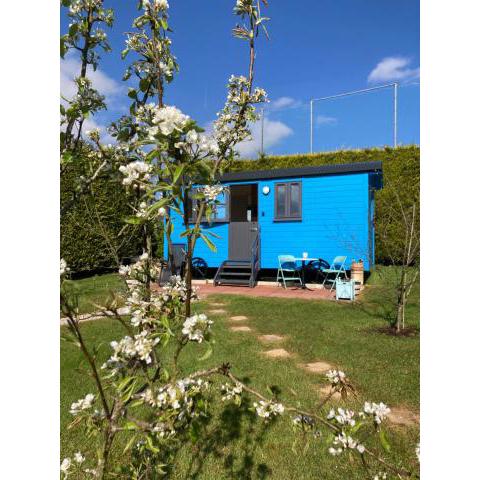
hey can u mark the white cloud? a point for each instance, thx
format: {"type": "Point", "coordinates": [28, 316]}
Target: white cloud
{"type": "Point", "coordinates": [70, 68]}
{"type": "Point", "coordinates": [273, 133]}
{"type": "Point", "coordinates": [325, 120]}
{"type": "Point", "coordinates": [90, 124]}
{"type": "Point", "coordinates": [283, 102]}
{"type": "Point", "coordinates": [393, 69]}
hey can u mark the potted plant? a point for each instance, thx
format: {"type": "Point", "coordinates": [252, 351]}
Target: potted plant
{"type": "Point", "coordinates": [356, 270]}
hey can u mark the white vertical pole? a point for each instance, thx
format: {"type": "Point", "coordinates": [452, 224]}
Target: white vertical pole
{"type": "Point", "coordinates": [261, 130]}
{"type": "Point", "coordinates": [395, 100]}
{"type": "Point", "coordinates": [311, 126]}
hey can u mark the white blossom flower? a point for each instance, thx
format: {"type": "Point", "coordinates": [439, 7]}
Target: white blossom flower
{"type": "Point", "coordinates": [142, 210]}
{"type": "Point", "coordinates": [417, 451]}
{"type": "Point", "coordinates": [335, 376]}
{"type": "Point", "coordinates": [177, 398]}
{"type": "Point", "coordinates": [380, 476]}
{"type": "Point", "coordinates": [169, 118]}
{"type": "Point", "coordinates": [192, 136]}
{"type": "Point", "coordinates": [124, 270]}
{"type": "Point", "coordinates": [65, 466]}
{"type": "Point", "coordinates": [79, 458]}
{"type": "Point", "coordinates": [94, 134]}
{"type": "Point", "coordinates": [143, 256]}
{"type": "Point", "coordinates": [230, 392]}
{"type": "Point", "coordinates": [176, 290]}
{"type": "Point", "coordinates": [378, 411]}
{"type": "Point", "coordinates": [161, 4]}
{"type": "Point", "coordinates": [135, 172]}
{"type": "Point", "coordinates": [162, 211]}
{"type": "Point", "coordinates": [138, 318]}
{"type": "Point", "coordinates": [63, 267]}
{"type": "Point", "coordinates": [211, 192]}
{"type": "Point", "coordinates": [342, 442]}
{"type": "Point", "coordinates": [140, 347]}
{"type": "Point", "coordinates": [82, 404]}
{"type": "Point", "coordinates": [268, 410]}
{"type": "Point", "coordinates": [195, 327]}
{"type": "Point", "coordinates": [342, 416]}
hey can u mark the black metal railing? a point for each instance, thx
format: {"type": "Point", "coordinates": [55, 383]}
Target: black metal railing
{"type": "Point", "coordinates": [255, 257]}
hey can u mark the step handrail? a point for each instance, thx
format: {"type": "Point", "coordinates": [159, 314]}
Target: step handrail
{"type": "Point", "coordinates": [255, 257]}
{"type": "Point", "coordinates": [215, 278]}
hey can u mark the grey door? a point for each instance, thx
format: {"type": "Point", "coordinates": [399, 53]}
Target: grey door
{"type": "Point", "coordinates": [240, 238]}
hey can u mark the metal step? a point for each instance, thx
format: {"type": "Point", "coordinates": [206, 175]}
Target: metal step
{"type": "Point", "coordinates": [233, 281]}
{"type": "Point", "coordinates": [234, 274]}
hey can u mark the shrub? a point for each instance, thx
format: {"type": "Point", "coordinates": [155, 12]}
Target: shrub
{"type": "Point", "coordinates": [93, 234]}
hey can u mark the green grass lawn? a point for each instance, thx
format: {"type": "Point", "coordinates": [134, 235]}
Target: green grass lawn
{"type": "Point", "coordinates": [238, 446]}
{"type": "Point", "coordinates": [95, 291]}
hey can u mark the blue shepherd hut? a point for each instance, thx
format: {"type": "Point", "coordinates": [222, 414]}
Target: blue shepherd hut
{"type": "Point", "coordinates": [324, 211]}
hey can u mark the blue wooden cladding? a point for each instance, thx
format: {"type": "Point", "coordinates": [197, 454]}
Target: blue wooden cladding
{"type": "Point", "coordinates": [337, 218]}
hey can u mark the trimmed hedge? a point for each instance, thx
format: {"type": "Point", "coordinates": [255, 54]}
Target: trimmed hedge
{"type": "Point", "coordinates": [401, 172]}
{"type": "Point", "coordinates": [82, 243]}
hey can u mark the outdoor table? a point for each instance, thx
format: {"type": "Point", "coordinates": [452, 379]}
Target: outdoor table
{"type": "Point", "coordinates": [303, 260]}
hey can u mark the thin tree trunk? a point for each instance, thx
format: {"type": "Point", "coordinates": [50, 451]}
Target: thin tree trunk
{"type": "Point", "coordinates": [401, 302]}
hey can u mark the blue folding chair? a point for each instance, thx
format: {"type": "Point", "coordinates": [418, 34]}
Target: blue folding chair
{"type": "Point", "coordinates": [337, 268]}
{"type": "Point", "coordinates": [288, 270]}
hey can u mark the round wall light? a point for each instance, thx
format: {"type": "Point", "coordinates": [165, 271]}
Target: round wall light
{"type": "Point", "coordinates": [266, 190]}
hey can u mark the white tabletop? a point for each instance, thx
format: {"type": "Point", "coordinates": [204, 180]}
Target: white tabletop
{"type": "Point", "coordinates": [302, 259]}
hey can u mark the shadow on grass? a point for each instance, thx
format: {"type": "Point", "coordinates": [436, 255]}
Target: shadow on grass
{"type": "Point", "coordinates": [378, 303]}
{"type": "Point", "coordinates": [237, 428]}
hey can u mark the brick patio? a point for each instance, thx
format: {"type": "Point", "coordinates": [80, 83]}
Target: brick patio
{"type": "Point", "coordinates": [266, 291]}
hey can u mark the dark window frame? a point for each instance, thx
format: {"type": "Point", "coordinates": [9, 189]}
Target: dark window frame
{"type": "Point", "coordinates": [192, 216]}
{"type": "Point", "coordinates": [288, 202]}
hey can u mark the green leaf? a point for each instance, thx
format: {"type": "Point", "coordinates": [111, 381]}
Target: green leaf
{"type": "Point", "coordinates": [144, 84]}
{"type": "Point", "coordinates": [132, 93]}
{"type": "Point", "coordinates": [150, 445]}
{"type": "Point", "coordinates": [384, 441]}
{"type": "Point", "coordinates": [209, 243]}
{"type": "Point", "coordinates": [129, 444]}
{"type": "Point", "coordinates": [207, 354]}
{"type": "Point", "coordinates": [72, 31]}
{"type": "Point", "coordinates": [133, 220]}
{"type": "Point", "coordinates": [178, 171]}
{"type": "Point", "coordinates": [63, 47]}
{"type": "Point", "coordinates": [151, 155]}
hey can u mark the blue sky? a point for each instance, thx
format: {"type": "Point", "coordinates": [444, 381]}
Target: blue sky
{"type": "Point", "coordinates": [317, 48]}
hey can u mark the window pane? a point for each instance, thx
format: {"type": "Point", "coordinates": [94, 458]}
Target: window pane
{"type": "Point", "coordinates": [295, 200]}
{"type": "Point", "coordinates": [220, 213]}
{"type": "Point", "coordinates": [281, 201]}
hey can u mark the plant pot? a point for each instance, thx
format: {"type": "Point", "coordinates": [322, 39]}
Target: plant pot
{"type": "Point", "coordinates": [356, 272]}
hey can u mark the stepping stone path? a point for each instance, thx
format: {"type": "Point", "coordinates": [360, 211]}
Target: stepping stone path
{"type": "Point", "coordinates": [241, 328]}
{"type": "Point", "coordinates": [277, 353]}
{"type": "Point", "coordinates": [271, 338]}
{"type": "Point", "coordinates": [217, 304]}
{"type": "Point", "coordinates": [317, 367]}
{"type": "Point", "coordinates": [238, 318]}
{"type": "Point", "coordinates": [326, 390]}
{"type": "Point", "coordinates": [86, 317]}
{"type": "Point", "coordinates": [217, 311]}
{"type": "Point", "coordinates": [403, 416]}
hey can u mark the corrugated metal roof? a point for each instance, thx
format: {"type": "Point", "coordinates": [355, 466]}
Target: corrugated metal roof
{"type": "Point", "coordinates": [336, 169]}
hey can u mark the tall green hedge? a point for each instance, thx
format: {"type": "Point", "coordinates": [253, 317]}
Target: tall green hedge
{"type": "Point", "coordinates": [91, 236]}
{"type": "Point", "coordinates": [401, 173]}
